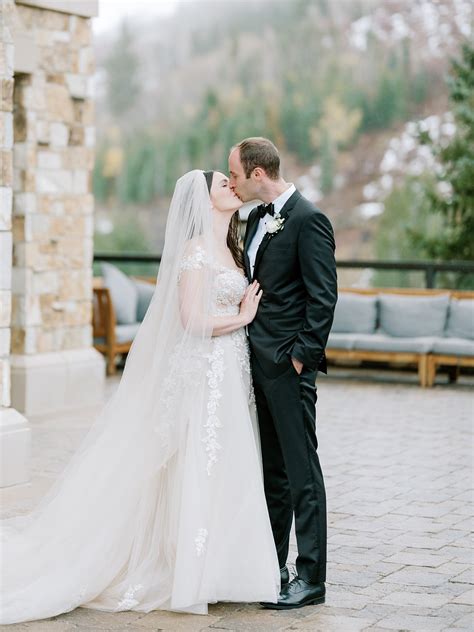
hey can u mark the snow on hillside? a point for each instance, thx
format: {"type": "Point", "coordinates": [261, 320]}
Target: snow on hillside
{"type": "Point", "coordinates": [435, 27]}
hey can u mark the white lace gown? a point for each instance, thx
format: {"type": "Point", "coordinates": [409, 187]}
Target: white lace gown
{"type": "Point", "coordinates": [211, 500]}
{"type": "Point", "coordinates": [193, 532]}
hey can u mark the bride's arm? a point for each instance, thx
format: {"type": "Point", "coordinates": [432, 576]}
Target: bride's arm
{"type": "Point", "coordinates": [191, 308]}
{"type": "Point", "coordinates": [222, 325]}
{"type": "Point", "coordinates": [248, 308]}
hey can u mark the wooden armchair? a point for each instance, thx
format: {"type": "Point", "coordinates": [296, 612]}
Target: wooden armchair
{"type": "Point", "coordinates": [105, 328]}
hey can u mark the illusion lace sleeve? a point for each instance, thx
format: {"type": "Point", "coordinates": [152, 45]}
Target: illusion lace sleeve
{"type": "Point", "coordinates": [195, 259]}
{"type": "Point", "coordinates": [193, 281]}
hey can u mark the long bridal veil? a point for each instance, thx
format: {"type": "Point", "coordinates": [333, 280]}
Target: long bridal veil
{"type": "Point", "coordinates": [105, 523]}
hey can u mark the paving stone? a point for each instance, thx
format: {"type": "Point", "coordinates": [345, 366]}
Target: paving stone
{"type": "Point", "coordinates": [458, 553]}
{"type": "Point", "coordinates": [100, 620]}
{"type": "Point", "coordinates": [354, 578]}
{"type": "Point", "coordinates": [416, 575]}
{"type": "Point", "coordinates": [413, 622]}
{"type": "Point", "coordinates": [345, 599]}
{"type": "Point", "coordinates": [328, 623]}
{"type": "Point", "coordinates": [466, 577]}
{"type": "Point", "coordinates": [43, 626]}
{"type": "Point", "coordinates": [455, 610]}
{"type": "Point", "coordinates": [466, 597]}
{"type": "Point", "coordinates": [426, 600]}
{"type": "Point", "coordinates": [172, 621]}
{"type": "Point", "coordinates": [417, 558]}
{"type": "Point", "coordinates": [429, 510]}
{"type": "Point", "coordinates": [466, 623]}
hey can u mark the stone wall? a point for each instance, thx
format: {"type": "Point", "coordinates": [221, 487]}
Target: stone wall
{"type": "Point", "coordinates": [15, 434]}
{"type": "Point", "coordinates": [6, 187]}
{"type": "Point", "coordinates": [47, 136]}
{"type": "Point", "coordinates": [53, 159]}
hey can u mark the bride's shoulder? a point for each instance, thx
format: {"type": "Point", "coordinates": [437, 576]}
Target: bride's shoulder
{"type": "Point", "coordinates": [195, 255]}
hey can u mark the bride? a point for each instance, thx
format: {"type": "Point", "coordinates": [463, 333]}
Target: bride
{"type": "Point", "coordinates": [162, 505]}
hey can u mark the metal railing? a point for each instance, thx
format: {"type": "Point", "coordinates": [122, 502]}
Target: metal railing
{"type": "Point", "coordinates": [430, 268]}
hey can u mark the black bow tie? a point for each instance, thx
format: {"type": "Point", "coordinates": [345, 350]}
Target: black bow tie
{"type": "Point", "coordinates": [263, 209]}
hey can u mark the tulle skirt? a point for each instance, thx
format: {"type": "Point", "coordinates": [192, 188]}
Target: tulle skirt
{"type": "Point", "coordinates": [195, 531]}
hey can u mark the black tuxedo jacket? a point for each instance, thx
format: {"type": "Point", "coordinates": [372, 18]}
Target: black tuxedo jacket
{"type": "Point", "coordinates": [296, 270]}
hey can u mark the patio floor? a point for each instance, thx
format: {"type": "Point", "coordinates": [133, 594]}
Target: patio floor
{"type": "Point", "coordinates": [398, 464]}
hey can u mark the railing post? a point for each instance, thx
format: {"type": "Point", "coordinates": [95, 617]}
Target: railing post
{"type": "Point", "coordinates": [430, 276]}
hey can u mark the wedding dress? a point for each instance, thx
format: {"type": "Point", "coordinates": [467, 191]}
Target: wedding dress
{"type": "Point", "coordinates": [162, 506]}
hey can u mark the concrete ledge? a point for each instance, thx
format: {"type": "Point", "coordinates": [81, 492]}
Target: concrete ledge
{"type": "Point", "coordinates": [84, 8]}
{"type": "Point", "coordinates": [54, 382]}
{"type": "Point", "coordinates": [15, 448]}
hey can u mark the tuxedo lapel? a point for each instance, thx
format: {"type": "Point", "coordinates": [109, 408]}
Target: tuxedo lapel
{"type": "Point", "coordinates": [249, 235]}
{"type": "Point", "coordinates": [289, 204]}
{"type": "Point", "coordinates": [260, 251]}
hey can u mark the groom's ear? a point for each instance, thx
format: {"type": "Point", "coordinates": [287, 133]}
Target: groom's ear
{"type": "Point", "coordinates": [258, 173]}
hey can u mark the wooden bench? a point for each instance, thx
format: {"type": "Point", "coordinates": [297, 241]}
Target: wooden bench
{"type": "Point", "coordinates": [436, 360]}
{"type": "Point", "coordinates": [426, 363]}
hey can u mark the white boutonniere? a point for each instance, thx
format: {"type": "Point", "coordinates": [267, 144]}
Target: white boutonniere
{"type": "Point", "coordinates": [276, 224]}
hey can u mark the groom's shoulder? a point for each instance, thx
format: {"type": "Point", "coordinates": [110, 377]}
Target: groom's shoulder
{"type": "Point", "coordinates": [308, 209]}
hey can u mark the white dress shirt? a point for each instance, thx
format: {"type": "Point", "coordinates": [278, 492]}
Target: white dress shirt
{"type": "Point", "coordinates": [278, 204]}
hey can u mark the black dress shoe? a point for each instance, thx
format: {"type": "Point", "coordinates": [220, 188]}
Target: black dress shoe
{"type": "Point", "coordinates": [298, 593]}
{"type": "Point", "coordinates": [284, 575]}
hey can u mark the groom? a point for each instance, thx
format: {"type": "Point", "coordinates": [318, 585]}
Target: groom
{"type": "Point", "coordinates": [289, 248]}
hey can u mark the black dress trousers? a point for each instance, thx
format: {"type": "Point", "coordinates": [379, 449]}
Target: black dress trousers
{"type": "Point", "coordinates": [294, 483]}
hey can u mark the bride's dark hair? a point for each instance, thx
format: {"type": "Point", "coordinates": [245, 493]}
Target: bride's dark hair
{"type": "Point", "coordinates": [233, 241]}
{"type": "Point", "coordinates": [233, 235]}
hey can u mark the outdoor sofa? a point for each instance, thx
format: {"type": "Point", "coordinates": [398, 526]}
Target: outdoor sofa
{"type": "Point", "coordinates": [424, 328]}
{"type": "Point", "coordinates": [427, 328]}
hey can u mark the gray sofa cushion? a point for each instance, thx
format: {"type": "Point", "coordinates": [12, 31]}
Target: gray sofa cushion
{"type": "Point", "coordinates": [382, 342]}
{"type": "Point", "coordinates": [413, 316]}
{"type": "Point", "coordinates": [145, 292]}
{"type": "Point", "coordinates": [461, 318]}
{"type": "Point", "coordinates": [340, 341]}
{"type": "Point", "coordinates": [124, 294]}
{"type": "Point", "coordinates": [126, 333]}
{"type": "Point", "coordinates": [454, 346]}
{"type": "Point", "coordinates": [123, 333]}
{"type": "Point", "coordinates": [355, 313]}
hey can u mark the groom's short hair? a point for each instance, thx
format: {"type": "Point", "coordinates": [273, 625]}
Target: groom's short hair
{"type": "Point", "coordinates": [259, 152]}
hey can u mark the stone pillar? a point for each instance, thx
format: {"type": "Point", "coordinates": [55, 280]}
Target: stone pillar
{"type": "Point", "coordinates": [53, 364]}
{"type": "Point", "coordinates": [15, 434]}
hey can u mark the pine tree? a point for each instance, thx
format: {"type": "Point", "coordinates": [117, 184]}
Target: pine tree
{"type": "Point", "coordinates": [327, 164]}
{"type": "Point", "coordinates": [454, 201]}
{"type": "Point", "coordinates": [122, 67]}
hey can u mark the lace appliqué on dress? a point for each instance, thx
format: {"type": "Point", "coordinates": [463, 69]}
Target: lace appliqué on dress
{"type": "Point", "coordinates": [243, 356]}
{"type": "Point", "coordinates": [215, 375]}
{"type": "Point", "coordinates": [200, 541]}
{"type": "Point", "coordinates": [180, 374]}
{"type": "Point", "coordinates": [128, 600]}
{"type": "Point", "coordinates": [229, 290]}
{"type": "Point", "coordinates": [184, 369]}
{"type": "Point", "coordinates": [195, 261]}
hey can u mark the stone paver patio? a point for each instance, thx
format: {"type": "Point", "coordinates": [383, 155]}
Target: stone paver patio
{"type": "Point", "coordinates": [398, 466]}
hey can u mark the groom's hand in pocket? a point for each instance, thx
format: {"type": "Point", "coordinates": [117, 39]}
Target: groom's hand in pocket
{"type": "Point", "coordinates": [297, 364]}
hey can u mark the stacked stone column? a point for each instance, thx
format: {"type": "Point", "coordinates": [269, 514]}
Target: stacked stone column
{"type": "Point", "coordinates": [53, 363]}
{"type": "Point", "coordinates": [15, 434]}
{"type": "Point", "coordinates": [47, 138]}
